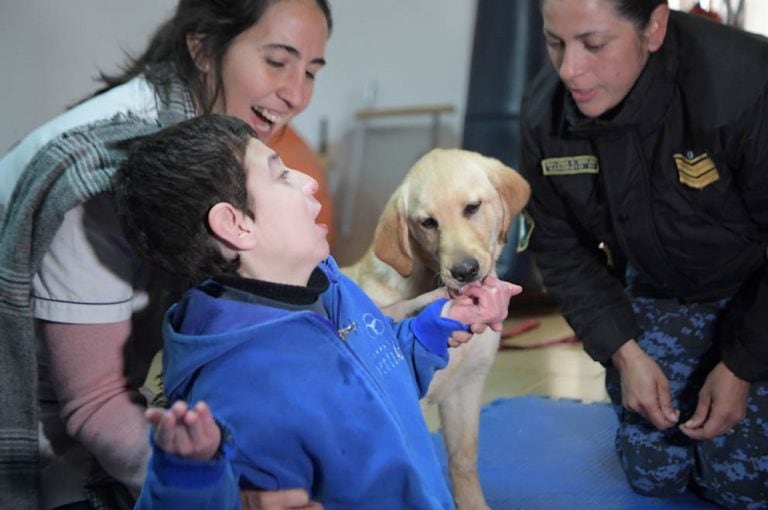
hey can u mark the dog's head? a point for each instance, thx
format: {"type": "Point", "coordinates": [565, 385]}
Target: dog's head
{"type": "Point", "coordinates": [451, 213]}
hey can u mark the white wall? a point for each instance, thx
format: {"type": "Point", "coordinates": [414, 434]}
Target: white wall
{"type": "Point", "coordinates": [392, 53]}
{"type": "Point", "coordinates": [755, 11]}
{"type": "Point", "coordinates": [410, 51]}
{"type": "Point", "coordinates": [407, 51]}
{"type": "Point", "coordinates": [51, 51]}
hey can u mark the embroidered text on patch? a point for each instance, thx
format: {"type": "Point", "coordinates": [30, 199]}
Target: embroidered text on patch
{"type": "Point", "coordinates": [570, 165]}
{"type": "Point", "coordinates": [696, 172]}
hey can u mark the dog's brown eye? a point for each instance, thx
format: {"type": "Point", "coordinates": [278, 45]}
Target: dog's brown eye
{"type": "Point", "coordinates": [429, 224]}
{"type": "Point", "coordinates": [471, 209]}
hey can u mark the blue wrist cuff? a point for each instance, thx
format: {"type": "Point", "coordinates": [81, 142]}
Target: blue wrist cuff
{"type": "Point", "coordinates": [433, 331]}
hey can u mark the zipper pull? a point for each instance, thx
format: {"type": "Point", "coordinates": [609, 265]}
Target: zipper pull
{"type": "Point", "coordinates": [346, 330]}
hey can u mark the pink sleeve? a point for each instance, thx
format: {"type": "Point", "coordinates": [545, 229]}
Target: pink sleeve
{"type": "Point", "coordinates": [101, 407]}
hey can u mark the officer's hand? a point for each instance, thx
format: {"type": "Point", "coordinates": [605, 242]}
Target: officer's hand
{"type": "Point", "coordinates": [722, 405]}
{"type": "Point", "coordinates": [644, 387]}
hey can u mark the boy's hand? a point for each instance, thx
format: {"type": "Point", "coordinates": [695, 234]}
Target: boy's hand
{"type": "Point", "coordinates": [277, 500]}
{"type": "Point", "coordinates": [188, 433]}
{"type": "Point", "coordinates": [483, 304]}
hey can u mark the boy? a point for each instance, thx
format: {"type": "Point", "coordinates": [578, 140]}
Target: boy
{"type": "Point", "coordinates": [311, 385]}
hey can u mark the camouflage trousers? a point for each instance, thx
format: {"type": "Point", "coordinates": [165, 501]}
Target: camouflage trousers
{"type": "Point", "coordinates": [730, 470]}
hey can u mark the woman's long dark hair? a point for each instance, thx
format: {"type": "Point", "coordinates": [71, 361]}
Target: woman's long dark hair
{"type": "Point", "coordinates": [216, 23]}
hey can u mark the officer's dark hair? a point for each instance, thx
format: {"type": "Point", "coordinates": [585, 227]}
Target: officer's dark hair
{"type": "Point", "coordinates": [216, 23]}
{"type": "Point", "coordinates": [637, 11]}
{"type": "Point", "coordinates": [168, 184]}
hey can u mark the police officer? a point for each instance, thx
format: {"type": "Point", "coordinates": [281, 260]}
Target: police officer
{"type": "Point", "coordinates": [646, 146]}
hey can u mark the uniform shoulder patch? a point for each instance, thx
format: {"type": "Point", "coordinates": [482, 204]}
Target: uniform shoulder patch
{"type": "Point", "coordinates": [696, 171]}
{"type": "Point", "coordinates": [570, 165]}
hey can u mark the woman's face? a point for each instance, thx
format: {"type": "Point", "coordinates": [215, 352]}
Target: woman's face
{"type": "Point", "coordinates": [268, 72]}
{"type": "Point", "coordinates": [597, 53]}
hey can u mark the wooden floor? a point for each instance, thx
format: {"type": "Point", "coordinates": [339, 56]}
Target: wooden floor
{"type": "Point", "coordinates": [559, 371]}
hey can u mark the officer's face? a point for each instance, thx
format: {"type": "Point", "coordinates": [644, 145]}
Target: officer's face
{"type": "Point", "coordinates": [598, 53]}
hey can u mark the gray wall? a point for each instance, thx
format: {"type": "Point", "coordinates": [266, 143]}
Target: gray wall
{"type": "Point", "coordinates": [51, 51]}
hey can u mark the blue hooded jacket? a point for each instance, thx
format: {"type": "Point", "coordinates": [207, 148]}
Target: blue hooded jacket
{"type": "Point", "coordinates": [330, 405]}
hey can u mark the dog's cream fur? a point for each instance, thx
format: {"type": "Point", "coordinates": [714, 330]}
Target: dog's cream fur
{"type": "Point", "coordinates": [453, 207]}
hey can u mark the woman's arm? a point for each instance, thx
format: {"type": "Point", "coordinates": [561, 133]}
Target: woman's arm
{"type": "Point", "coordinates": [101, 407]}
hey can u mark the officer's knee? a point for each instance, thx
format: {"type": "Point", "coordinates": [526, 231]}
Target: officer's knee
{"type": "Point", "coordinates": [732, 471]}
{"type": "Point", "coordinates": [652, 466]}
{"type": "Point", "coordinates": [737, 494]}
{"type": "Point", "coordinates": [737, 501]}
{"type": "Point", "coordinates": [660, 483]}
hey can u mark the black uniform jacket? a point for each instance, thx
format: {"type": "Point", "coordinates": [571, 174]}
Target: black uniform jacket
{"type": "Point", "coordinates": [674, 180]}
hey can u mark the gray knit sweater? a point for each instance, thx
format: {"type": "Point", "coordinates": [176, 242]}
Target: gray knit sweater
{"type": "Point", "coordinates": [72, 168]}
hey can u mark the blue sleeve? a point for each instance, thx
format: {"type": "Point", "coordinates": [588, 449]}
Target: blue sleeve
{"type": "Point", "coordinates": [174, 482]}
{"type": "Point", "coordinates": [433, 331]}
{"type": "Point", "coordinates": [424, 338]}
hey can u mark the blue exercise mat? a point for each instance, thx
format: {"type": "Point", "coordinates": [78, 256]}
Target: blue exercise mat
{"type": "Point", "coordinates": [538, 453]}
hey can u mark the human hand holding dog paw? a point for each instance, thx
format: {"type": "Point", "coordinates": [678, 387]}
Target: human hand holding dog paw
{"type": "Point", "coordinates": [482, 304]}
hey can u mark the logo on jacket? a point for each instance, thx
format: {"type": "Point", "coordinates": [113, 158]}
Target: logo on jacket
{"type": "Point", "coordinates": [387, 357]}
{"type": "Point", "coordinates": [570, 165]}
{"type": "Point", "coordinates": [696, 171]}
{"type": "Point", "coordinates": [374, 326]}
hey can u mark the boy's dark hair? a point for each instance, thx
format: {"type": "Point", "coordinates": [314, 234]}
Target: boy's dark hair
{"type": "Point", "coordinates": [168, 184]}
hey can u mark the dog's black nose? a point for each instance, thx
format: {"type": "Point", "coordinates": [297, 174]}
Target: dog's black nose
{"type": "Point", "coordinates": [465, 270]}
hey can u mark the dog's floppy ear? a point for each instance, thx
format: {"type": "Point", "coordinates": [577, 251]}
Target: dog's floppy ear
{"type": "Point", "coordinates": [390, 241]}
{"type": "Point", "coordinates": [513, 190]}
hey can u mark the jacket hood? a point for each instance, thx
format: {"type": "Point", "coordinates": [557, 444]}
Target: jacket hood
{"type": "Point", "coordinates": [202, 326]}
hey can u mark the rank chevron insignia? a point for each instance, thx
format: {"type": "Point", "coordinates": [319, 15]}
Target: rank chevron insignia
{"type": "Point", "coordinates": [696, 171]}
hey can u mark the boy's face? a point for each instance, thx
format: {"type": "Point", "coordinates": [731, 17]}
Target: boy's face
{"type": "Point", "coordinates": [289, 242]}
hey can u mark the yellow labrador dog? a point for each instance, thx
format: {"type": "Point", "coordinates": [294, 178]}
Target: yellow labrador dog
{"type": "Point", "coordinates": [445, 225]}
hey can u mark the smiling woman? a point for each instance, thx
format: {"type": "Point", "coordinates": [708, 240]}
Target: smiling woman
{"type": "Point", "coordinates": [257, 62]}
{"type": "Point", "coordinates": [644, 147]}
{"type": "Point", "coordinates": [268, 72]}
{"type": "Point", "coordinates": [92, 303]}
